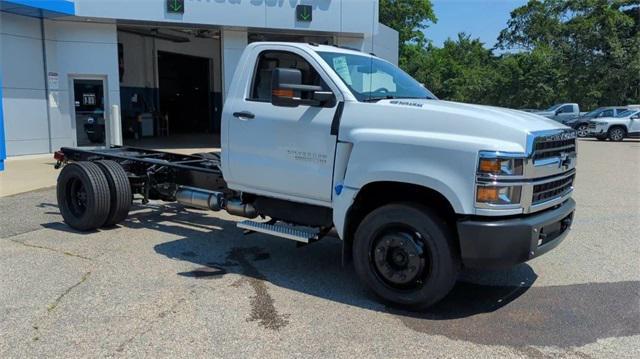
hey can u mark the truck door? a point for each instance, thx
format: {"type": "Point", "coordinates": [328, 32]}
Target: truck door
{"type": "Point", "coordinates": [565, 113]}
{"type": "Point", "coordinates": [283, 152]}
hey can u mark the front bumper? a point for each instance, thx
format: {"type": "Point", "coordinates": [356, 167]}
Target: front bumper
{"type": "Point", "coordinates": [488, 243]}
{"type": "Point", "coordinates": [598, 130]}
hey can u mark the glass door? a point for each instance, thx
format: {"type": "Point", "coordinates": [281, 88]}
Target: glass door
{"type": "Point", "coordinates": [89, 112]}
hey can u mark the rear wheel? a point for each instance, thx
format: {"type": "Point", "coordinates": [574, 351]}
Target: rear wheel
{"type": "Point", "coordinates": [120, 190]}
{"type": "Point", "coordinates": [405, 254]}
{"type": "Point", "coordinates": [83, 196]}
{"type": "Point", "coordinates": [617, 134]}
{"type": "Point", "coordinates": [583, 130]}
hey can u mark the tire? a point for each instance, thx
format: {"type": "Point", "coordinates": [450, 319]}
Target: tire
{"type": "Point", "coordinates": [583, 130]}
{"type": "Point", "coordinates": [120, 189]}
{"type": "Point", "coordinates": [617, 134]}
{"type": "Point", "coordinates": [83, 196]}
{"type": "Point", "coordinates": [406, 255]}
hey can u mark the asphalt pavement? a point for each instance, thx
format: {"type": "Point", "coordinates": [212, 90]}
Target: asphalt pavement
{"type": "Point", "coordinates": [176, 282]}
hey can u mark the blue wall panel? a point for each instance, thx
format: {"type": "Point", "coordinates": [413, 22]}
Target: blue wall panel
{"type": "Point", "coordinates": [38, 8]}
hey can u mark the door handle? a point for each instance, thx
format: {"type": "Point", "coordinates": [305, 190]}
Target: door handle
{"type": "Point", "coordinates": [244, 115]}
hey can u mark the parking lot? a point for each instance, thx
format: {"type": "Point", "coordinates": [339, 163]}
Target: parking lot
{"type": "Point", "coordinates": [176, 282]}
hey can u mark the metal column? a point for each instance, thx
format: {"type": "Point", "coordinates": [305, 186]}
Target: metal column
{"type": "Point", "coordinates": [3, 148]}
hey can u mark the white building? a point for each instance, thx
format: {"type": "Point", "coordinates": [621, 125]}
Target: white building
{"type": "Point", "coordinates": [71, 69]}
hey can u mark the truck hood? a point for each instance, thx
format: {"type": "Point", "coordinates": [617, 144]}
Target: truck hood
{"type": "Point", "coordinates": [496, 116]}
{"type": "Point", "coordinates": [485, 126]}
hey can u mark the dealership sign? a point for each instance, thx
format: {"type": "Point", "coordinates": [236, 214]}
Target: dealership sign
{"type": "Point", "coordinates": [175, 6]}
{"type": "Point", "coordinates": [304, 13]}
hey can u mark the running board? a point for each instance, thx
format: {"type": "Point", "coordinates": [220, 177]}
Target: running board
{"type": "Point", "coordinates": [300, 234]}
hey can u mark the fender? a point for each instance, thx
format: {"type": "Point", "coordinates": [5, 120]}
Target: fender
{"type": "Point", "coordinates": [423, 166]}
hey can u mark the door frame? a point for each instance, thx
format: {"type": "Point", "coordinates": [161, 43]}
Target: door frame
{"type": "Point", "coordinates": [107, 108]}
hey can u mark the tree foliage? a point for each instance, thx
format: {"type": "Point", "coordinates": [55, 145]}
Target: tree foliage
{"type": "Point", "coordinates": [585, 51]}
{"type": "Point", "coordinates": [409, 18]}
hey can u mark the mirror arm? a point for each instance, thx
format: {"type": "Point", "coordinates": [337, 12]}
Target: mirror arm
{"type": "Point", "coordinates": [296, 87]}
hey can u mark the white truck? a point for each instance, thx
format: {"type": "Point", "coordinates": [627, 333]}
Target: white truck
{"type": "Point", "coordinates": [562, 112]}
{"type": "Point", "coordinates": [320, 140]}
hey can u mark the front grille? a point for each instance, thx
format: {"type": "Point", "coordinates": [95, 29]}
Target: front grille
{"type": "Point", "coordinates": [546, 191]}
{"type": "Point", "coordinates": [554, 146]}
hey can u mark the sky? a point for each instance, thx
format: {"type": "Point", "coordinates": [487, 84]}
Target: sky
{"type": "Point", "coordinates": [479, 18]}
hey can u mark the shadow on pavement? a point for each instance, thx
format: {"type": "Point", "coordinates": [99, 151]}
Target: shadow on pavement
{"type": "Point", "coordinates": [508, 311]}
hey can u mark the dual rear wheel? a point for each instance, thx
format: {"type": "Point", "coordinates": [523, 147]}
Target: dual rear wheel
{"type": "Point", "coordinates": [93, 194]}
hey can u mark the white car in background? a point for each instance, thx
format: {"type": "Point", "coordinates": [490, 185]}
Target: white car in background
{"type": "Point", "coordinates": [625, 124]}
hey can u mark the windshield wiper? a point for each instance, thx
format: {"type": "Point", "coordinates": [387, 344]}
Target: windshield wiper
{"type": "Point", "coordinates": [389, 97]}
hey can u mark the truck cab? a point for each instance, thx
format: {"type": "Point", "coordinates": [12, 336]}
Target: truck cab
{"type": "Point", "coordinates": [351, 133]}
{"type": "Point", "coordinates": [319, 139]}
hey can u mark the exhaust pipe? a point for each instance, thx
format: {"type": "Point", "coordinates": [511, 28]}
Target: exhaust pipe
{"type": "Point", "coordinates": [215, 201]}
{"type": "Point", "coordinates": [199, 198]}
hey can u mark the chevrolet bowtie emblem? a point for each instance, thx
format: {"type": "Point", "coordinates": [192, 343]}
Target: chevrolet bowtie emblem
{"type": "Point", "coordinates": [565, 160]}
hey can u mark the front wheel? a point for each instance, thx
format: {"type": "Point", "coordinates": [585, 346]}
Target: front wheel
{"type": "Point", "coordinates": [583, 130]}
{"type": "Point", "coordinates": [406, 255]}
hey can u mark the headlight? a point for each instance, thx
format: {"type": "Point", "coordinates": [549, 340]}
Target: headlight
{"type": "Point", "coordinates": [500, 195]}
{"type": "Point", "coordinates": [491, 163]}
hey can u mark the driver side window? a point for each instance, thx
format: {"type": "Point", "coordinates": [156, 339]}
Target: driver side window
{"type": "Point", "coordinates": [270, 60]}
{"type": "Point", "coordinates": [565, 109]}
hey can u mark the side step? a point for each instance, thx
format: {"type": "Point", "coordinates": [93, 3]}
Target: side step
{"type": "Point", "coordinates": [300, 234]}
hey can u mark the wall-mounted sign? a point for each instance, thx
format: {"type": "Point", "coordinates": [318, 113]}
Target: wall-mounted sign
{"type": "Point", "coordinates": [175, 6]}
{"type": "Point", "coordinates": [304, 13]}
{"type": "Point", "coordinates": [52, 79]}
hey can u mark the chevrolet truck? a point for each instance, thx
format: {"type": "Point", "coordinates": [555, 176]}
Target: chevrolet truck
{"type": "Point", "coordinates": [320, 140]}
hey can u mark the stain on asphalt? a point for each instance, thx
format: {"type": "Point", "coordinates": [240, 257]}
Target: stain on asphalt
{"type": "Point", "coordinates": [563, 316]}
{"type": "Point", "coordinates": [207, 272]}
{"type": "Point", "coordinates": [263, 309]}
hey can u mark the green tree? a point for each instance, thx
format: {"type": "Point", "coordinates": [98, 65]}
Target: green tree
{"type": "Point", "coordinates": [462, 70]}
{"type": "Point", "coordinates": [409, 18]}
{"type": "Point", "coordinates": [593, 46]}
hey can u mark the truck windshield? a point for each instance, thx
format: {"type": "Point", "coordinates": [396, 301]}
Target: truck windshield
{"type": "Point", "coordinates": [371, 79]}
{"type": "Point", "coordinates": [553, 108]}
{"type": "Point", "coordinates": [593, 113]}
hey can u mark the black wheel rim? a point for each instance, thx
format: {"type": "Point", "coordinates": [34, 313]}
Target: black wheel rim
{"type": "Point", "coordinates": [400, 258]}
{"type": "Point", "coordinates": [582, 131]}
{"type": "Point", "coordinates": [76, 197]}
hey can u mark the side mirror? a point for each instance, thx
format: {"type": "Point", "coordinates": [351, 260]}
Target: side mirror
{"type": "Point", "coordinates": [287, 87]}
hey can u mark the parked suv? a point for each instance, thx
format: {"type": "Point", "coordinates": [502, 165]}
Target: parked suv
{"type": "Point", "coordinates": [581, 124]}
{"type": "Point", "coordinates": [626, 124]}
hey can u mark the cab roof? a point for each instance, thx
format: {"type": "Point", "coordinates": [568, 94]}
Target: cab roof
{"type": "Point", "coordinates": [316, 47]}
